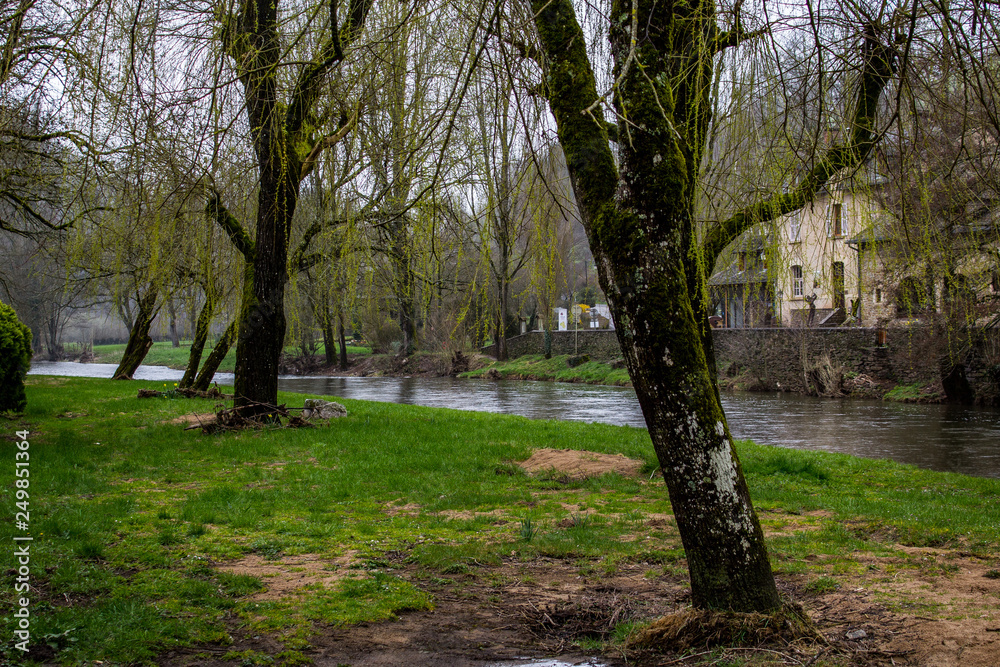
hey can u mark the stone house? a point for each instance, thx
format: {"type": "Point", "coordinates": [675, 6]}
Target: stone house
{"type": "Point", "coordinates": [843, 261]}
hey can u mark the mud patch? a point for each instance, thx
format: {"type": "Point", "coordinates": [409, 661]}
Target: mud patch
{"type": "Point", "coordinates": [283, 577]}
{"type": "Point", "coordinates": [577, 464]}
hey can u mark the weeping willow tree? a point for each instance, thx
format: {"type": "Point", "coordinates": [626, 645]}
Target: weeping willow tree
{"type": "Point", "coordinates": [639, 201]}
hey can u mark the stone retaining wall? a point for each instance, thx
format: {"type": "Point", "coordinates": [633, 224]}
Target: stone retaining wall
{"type": "Point", "coordinates": [778, 357]}
{"type": "Point", "coordinates": [598, 343]}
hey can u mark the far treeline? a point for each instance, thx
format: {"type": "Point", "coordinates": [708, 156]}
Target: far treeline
{"type": "Point", "coordinates": [429, 174]}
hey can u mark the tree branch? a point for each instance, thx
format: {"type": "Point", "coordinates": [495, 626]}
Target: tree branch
{"type": "Point", "coordinates": [307, 88]}
{"type": "Point", "coordinates": [8, 51]}
{"type": "Point", "coordinates": [738, 34]}
{"type": "Point", "coordinates": [229, 224]}
{"type": "Point", "coordinates": [309, 163]}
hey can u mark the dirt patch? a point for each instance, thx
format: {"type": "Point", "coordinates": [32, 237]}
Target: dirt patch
{"type": "Point", "coordinates": [921, 606]}
{"type": "Point", "coordinates": [779, 523]}
{"type": "Point", "coordinates": [500, 516]}
{"type": "Point", "coordinates": [407, 509]}
{"type": "Point", "coordinates": [546, 607]}
{"type": "Point", "coordinates": [192, 420]}
{"type": "Point", "coordinates": [577, 464]}
{"type": "Point", "coordinates": [284, 576]}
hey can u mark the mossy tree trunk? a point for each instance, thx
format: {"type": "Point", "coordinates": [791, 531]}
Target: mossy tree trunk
{"type": "Point", "coordinates": [201, 328]}
{"type": "Point", "coordinates": [286, 149]}
{"type": "Point", "coordinates": [139, 341]}
{"type": "Point", "coordinates": [639, 214]}
{"type": "Point", "coordinates": [216, 357]}
{"type": "Point", "coordinates": [404, 285]}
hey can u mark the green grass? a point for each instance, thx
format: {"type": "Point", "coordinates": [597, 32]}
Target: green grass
{"type": "Point", "coordinates": [132, 515]}
{"type": "Point", "coordinates": [165, 354]}
{"type": "Point", "coordinates": [537, 367]}
{"type": "Point", "coordinates": [912, 393]}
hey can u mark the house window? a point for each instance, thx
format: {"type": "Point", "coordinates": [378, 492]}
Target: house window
{"type": "Point", "coordinates": [794, 226]}
{"type": "Point", "coordinates": [798, 287]}
{"type": "Point", "coordinates": [878, 295]}
{"type": "Point", "coordinates": [835, 220]}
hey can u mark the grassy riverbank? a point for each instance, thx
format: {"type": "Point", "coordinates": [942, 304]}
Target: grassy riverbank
{"type": "Point", "coordinates": [163, 353]}
{"type": "Point", "coordinates": [537, 367]}
{"type": "Point", "coordinates": [249, 546]}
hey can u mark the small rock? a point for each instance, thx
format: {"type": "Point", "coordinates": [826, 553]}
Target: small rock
{"type": "Point", "coordinates": [856, 634]}
{"type": "Point", "coordinates": [319, 409]}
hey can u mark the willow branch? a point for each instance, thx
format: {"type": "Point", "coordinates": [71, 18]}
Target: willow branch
{"type": "Point", "coordinates": [229, 224]}
{"type": "Point", "coordinates": [309, 163]}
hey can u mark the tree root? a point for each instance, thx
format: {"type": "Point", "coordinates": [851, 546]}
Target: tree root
{"type": "Point", "coordinates": [695, 628]}
{"type": "Point", "coordinates": [253, 416]}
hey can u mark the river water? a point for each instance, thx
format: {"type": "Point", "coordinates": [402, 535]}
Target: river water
{"type": "Point", "coordinates": [937, 437]}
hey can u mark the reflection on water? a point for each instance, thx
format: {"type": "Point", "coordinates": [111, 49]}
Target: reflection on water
{"type": "Point", "coordinates": [938, 437]}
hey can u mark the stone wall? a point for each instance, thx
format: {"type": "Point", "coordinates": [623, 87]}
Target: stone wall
{"type": "Point", "coordinates": [600, 344]}
{"type": "Point", "coordinates": [778, 357]}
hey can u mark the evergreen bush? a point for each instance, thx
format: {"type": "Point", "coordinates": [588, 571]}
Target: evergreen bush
{"type": "Point", "coordinates": [15, 360]}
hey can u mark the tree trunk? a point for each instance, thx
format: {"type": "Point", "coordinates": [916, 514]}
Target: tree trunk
{"type": "Point", "coordinates": [639, 219]}
{"type": "Point", "coordinates": [501, 325]}
{"type": "Point", "coordinates": [343, 344]}
{"type": "Point", "coordinates": [286, 150]}
{"type": "Point", "coordinates": [638, 210]}
{"type": "Point", "coordinates": [139, 340]}
{"type": "Point", "coordinates": [216, 357]}
{"type": "Point", "coordinates": [52, 327]}
{"type": "Point", "coordinates": [175, 339]}
{"type": "Point", "coordinates": [262, 321]}
{"type": "Point", "coordinates": [329, 339]}
{"type": "Point", "coordinates": [404, 284]}
{"type": "Point", "coordinates": [198, 341]}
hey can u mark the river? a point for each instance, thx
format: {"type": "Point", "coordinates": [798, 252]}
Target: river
{"type": "Point", "coordinates": [937, 437]}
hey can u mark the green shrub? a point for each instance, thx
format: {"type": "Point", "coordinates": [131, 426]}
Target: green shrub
{"type": "Point", "coordinates": [15, 360]}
